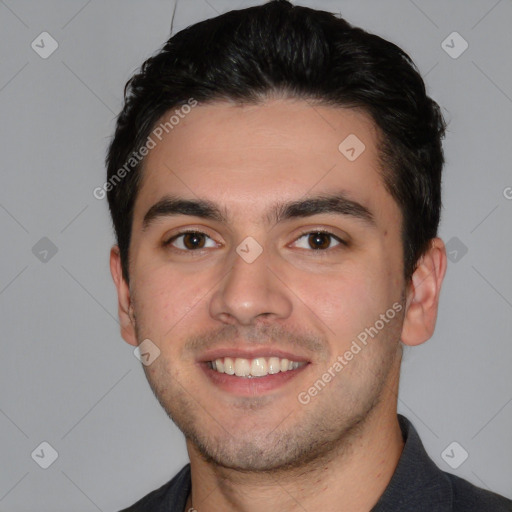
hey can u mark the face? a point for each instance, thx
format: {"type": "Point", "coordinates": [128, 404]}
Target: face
{"type": "Point", "coordinates": [259, 248]}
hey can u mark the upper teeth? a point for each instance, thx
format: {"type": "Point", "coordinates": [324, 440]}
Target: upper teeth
{"type": "Point", "coordinates": [258, 367]}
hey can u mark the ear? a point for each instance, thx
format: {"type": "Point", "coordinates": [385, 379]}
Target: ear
{"type": "Point", "coordinates": [125, 309]}
{"type": "Point", "coordinates": [423, 295]}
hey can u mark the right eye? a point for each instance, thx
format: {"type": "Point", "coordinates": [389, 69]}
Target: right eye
{"type": "Point", "coordinates": [190, 241]}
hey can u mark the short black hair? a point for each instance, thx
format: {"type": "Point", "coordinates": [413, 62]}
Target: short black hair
{"type": "Point", "coordinates": [278, 49]}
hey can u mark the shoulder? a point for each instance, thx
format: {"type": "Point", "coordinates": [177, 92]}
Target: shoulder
{"type": "Point", "coordinates": [418, 484]}
{"type": "Point", "coordinates": [170, 496]}
{"type": "Point", "coordinates": [468, 497]}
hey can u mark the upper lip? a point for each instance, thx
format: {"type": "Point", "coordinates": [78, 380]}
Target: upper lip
{"type": "Point", "coordinates": [252, 353]}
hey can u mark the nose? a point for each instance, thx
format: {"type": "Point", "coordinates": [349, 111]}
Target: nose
{"type": "Point", "coordinates": [250, 292]}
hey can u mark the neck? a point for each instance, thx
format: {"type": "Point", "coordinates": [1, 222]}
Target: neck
{"type": "Point", "coordinates": [354, 477]}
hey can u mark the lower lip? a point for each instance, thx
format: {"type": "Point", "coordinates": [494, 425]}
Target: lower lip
{"type": "Point", "coordinates": [249, 387]}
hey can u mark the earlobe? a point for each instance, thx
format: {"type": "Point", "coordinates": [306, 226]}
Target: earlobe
{"type": "Point", "coordinates": [125, 306]}
{"type": "Point", "coordinates": [423, 295]}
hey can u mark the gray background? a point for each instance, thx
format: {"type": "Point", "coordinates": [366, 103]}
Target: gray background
{"type": "Point", "coordinates": [67, 377]}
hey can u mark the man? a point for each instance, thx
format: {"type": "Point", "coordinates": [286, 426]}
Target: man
{"type": "Point", "coordinates": [274, 183]}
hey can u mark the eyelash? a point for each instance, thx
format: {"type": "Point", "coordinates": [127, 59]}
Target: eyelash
{"type": "Point", "coordinates": [318, 252]}
{"type": "Point", "coordinates": [181, 233]}
{"type": "Point", "coordinates": [322, 252]}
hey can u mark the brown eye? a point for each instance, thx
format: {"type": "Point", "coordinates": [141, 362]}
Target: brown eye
{"type": "Point", "coordinates": [319, 240]}
{"type": "Point", "coordinates": [193, 240]}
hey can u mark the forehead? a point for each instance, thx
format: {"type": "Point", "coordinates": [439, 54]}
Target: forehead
{"type": "Point", "coordinates": [249, 156]}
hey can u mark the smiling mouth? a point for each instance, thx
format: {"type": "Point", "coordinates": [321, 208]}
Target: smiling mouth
{"type": "Point", "coordinates": [257, 367]}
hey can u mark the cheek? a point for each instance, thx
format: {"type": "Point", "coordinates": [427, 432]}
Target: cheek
{"type": "Point", "coordinates": [348, 301]}
{"type": "Point", "coordinates": [163, 300]}
{"type": "Point", "coordinates": [339, 301]}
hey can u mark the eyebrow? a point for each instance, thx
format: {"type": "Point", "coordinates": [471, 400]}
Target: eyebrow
{"type": "Point", "coordinates": [337, 203]}
{"type": "Point", "coordinates": [171, 206]}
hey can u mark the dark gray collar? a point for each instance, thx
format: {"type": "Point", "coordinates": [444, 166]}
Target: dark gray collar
{"type": "Point", "coordinates": [417, 483]}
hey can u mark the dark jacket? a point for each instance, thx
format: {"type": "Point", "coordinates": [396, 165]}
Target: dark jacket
{"type": "Point", "coordinates": [417, 485]}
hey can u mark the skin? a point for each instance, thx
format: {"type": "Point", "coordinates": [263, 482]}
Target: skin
{"type": "Point", "coordinates": [268, 449]}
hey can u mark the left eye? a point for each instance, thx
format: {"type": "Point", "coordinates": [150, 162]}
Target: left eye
{"type": "Point", "coordinates": [191, 240]}
{"type": "Point", "coordinates": [317, 240]}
